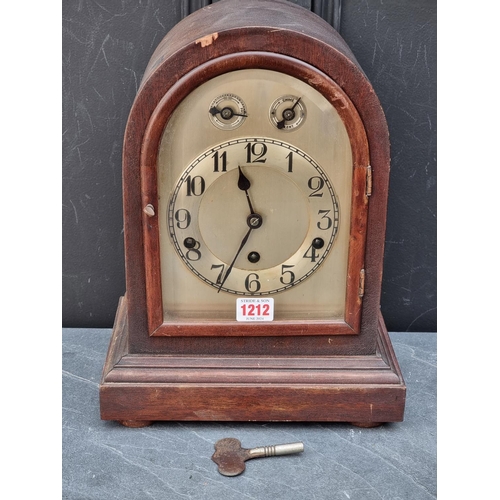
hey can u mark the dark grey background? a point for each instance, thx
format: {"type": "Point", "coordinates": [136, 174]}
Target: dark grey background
{"type": "Point", "coordinates": [106, 47]}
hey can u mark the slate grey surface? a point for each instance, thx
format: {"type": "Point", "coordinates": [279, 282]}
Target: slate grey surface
{"type": "Point", "coordinates": [104, 460]}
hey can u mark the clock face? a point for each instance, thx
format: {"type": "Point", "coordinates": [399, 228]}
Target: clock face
{"type": "Point", "coordinates": [254, 199]}
{"type": "Point", "coordinates": [253, 216]}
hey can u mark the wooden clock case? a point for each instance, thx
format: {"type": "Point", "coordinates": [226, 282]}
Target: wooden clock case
{"type": "Point", "coordinates": [287, 374]}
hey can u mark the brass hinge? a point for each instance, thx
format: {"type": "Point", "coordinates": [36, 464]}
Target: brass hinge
{"type": "Point", "coordinates": [369, 180]}
{"type": "Point", "coordinates": [361, 290]}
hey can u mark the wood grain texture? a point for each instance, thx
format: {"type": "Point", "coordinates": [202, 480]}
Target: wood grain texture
{"type": "Point", "coordinates": [365, 389]}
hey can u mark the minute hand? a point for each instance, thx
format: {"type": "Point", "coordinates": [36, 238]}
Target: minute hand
{"type": "Point", "coordinates": [230, 268]}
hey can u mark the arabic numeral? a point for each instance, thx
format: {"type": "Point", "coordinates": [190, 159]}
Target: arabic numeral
{"type": "Point", "coordinates": [219, 277]}
{"type": "Point", "coordinates": [252, 284]}
{"type": "Point", "coordinates": [289, 157]}
{"type": "Point", "coordinates": [290, 275]}
{"type": "Point", "coordinates": [193, 253]}
{"type": "Point", "coordinates": [220, 161]}
{"type": "Point", "coordinates": [316, 184]}
{"type": "Point", "coordinates": [325, 222]}
{"type": "Point", "coordinates": [256, 152]}
{"type": "Point", "coordinates": [183, 218]}
{"type": "Point", "coordinates": [195, 186]}
{"type": "Point", "coordinates": [311, 254]}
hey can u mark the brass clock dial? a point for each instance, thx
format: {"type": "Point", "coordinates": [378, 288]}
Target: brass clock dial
{"type": "Point", "coordinates": [287, 112]}
{"type": "Point", "coordinates": [253, 216]}
{"type": "Point", "coordinates": [227, 111]}
{"type": "Point", "coordinates": [284, 235]}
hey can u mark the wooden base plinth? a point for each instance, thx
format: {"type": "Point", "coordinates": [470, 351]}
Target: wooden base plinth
{"type": "Point", "coordinates": [366, 390]}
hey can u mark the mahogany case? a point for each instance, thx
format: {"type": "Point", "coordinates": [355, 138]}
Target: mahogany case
{"type": "Point", "coordinates": [282, 376]}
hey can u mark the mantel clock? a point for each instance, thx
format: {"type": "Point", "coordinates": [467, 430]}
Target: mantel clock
{"type": "Point", "coordinates": [255, 179]}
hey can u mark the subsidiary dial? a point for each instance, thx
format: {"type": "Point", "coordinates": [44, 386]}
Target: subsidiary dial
{"type": "Point", "coordinates": [287, 112]}
{"type": "Point", "coordinates": [227, 111]}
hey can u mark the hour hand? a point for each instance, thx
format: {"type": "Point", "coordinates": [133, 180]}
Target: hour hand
{"type": "Point", "coordinates": [244, 185]}
{"type": "Point", "coordinates": [226, 113]}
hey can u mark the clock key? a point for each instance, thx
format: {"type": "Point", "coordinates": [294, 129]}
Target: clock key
{"type": "Point", "coordinates": [231, 457]}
